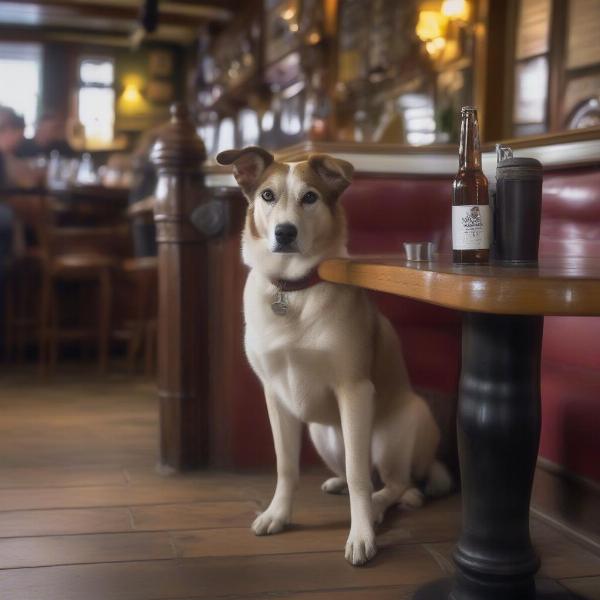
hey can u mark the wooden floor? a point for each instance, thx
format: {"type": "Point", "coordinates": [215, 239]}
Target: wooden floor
{"type": "Point", "coordinates": [84, 516]}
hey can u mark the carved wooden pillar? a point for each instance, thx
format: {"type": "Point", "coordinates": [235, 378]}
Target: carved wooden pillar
{"type": "Point", "coordinates": [182, 315]}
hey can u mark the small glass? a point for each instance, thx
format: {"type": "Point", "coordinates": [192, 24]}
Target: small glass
{"type": "Point", "coordinates": [419, 251]}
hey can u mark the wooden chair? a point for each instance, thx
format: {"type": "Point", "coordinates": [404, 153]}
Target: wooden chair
{"type": "Point", "coordinates": [142, 272]}
{"type": "Point", "coordinates": [85, 256]}
{"type": "Point", "coordinates": [22, 292]}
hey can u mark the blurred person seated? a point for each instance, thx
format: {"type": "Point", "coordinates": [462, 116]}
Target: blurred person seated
{"type": "Point", "coordinates": [14, 171]}
{"type": "Point", "coordinates": [142, 197]}
{"type": "Point", "coordinates": [49, 137]}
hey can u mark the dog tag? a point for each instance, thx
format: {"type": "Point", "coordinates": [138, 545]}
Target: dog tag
{"type": "Point", "coordinates": [280, 305]}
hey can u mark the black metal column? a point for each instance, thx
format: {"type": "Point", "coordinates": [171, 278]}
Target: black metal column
{"type": "Point", "coordinates": [498, 436]}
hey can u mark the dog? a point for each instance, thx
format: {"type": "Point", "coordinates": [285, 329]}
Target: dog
{"type": "Point", "coordinates": [324, 354]}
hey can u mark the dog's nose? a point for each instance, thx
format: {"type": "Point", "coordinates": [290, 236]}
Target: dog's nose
{"type": "Point", "coordinates": [285, 233]}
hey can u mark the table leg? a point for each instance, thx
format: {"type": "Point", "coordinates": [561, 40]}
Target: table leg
{"type": "Point", "coordinates": [498, 437]}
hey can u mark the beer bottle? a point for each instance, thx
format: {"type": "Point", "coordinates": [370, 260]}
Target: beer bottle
{"type": "Point", "coordinates": [470, 202]}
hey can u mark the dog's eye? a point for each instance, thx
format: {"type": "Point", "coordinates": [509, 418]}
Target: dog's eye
{"type": "Point", "coordinates": [309, 198]}
{"type": "Point", "coordinates": [268, 196]}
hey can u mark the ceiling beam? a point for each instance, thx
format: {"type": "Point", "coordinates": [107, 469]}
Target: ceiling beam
{"type": "Point", "coordinates": [171, 13]}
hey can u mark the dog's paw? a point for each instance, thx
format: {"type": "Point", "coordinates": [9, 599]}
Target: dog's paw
{"type": "Point", "coordinates": [269, 522]}
{"type": "Point", "coordinates": [412, 498]}
{"type": "Point", "coordinates": [360, 547]}
{"type": "Point", "coordinates": [335, 485]}
{"type": "Point", "coordinates": [378, 512]}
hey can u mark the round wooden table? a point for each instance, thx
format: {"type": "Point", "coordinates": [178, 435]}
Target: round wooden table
{"type": "Point", "coordinates": [499, 409]}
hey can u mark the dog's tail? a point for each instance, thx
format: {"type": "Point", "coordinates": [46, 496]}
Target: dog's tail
{"type": "Point", "coordinates": [439, 480]}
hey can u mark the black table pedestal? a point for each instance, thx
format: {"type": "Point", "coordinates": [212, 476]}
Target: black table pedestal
{"type": "Point", "coordinates": [498, 437]}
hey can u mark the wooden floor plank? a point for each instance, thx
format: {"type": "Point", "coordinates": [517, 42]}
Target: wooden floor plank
{"type": "Point", "coordinates": [397, 592]}
{"type": "Point", "coordinates": [243, 542]}
{"type": "Point", "coordinates": [585, 587]}
{"type": "Point", "coordinates": [214, 577]}
{"type": "Point", "coordinates": [561, 557]}
{"type": "Point", "coordinates": [64, 521]}
{"type": "Point", "coordinates": [76, 549]}
{"type": "Point", "coordinates": [58, 476]}
{"type": "Point", "coordinates": [201, 515]}
{"type": "Point", "coordinates": [96, 496]}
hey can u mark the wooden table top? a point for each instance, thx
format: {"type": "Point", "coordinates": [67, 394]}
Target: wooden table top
{"type": "Point", "coordinates": [558, 286]}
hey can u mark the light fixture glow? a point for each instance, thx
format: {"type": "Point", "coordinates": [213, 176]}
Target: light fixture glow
{"type": "Point", "coordinates": [313, 38]}
{"type": "Point", "coordinates": [131, 93]}
{"type": "Point", "coordinates": [435, 46]}
{"type": "Point", "coordinates": [289, 13]}
{"type": "Point", "coordinates": [456, 9]}
{"type": "Point", "coordinates": [431, 25]}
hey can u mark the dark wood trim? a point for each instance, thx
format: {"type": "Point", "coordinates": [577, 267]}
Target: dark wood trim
{"type": "Point", "coordinates": [497, 118]}
{"type": "Point", "coordinates": [568, 501]}
{"type": "Point", "coordinates": [68, 8]}
{"type": "Point", "coordinates": [227, 277]}
{"type": "Point", "coordinates": [556, 60]}
{"type": "Point", "coordinates": [302, 150]}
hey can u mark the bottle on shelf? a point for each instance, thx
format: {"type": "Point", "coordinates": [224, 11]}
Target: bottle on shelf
{"type": "Point", "coordinates": [471, 217]}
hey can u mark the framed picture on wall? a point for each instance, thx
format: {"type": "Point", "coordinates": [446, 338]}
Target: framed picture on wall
{"type": "Point", "coordinates": [160, 63]}
{"type": "Point", "coordinates": [160, 91]}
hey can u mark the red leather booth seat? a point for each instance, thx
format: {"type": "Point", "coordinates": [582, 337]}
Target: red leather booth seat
{"type": "Point", "coordinates": [571, 350]}
{"type": "Point", "coordinates": [382, 213]}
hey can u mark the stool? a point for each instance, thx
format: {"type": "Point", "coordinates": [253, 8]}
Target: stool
{"type": "Point", "coordinates": [143, 272]}
{"type": "Point", "coordinates": [82, 269]}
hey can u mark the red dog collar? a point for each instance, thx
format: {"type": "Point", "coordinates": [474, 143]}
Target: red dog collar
{"type": "Point", "coordinates": [295, 285]}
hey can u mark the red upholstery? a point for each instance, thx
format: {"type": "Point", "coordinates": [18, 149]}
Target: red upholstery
{"type": "Point", "coordinates": [383, 213]}
{"type": "Point", "coordinates": [571, 351]}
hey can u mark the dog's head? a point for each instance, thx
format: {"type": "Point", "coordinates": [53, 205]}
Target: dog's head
{"type": "Point", "coordinates": [294, 219]}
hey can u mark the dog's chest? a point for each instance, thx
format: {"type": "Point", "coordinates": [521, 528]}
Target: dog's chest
{"type": "Point", "coordinates": [293, 359]}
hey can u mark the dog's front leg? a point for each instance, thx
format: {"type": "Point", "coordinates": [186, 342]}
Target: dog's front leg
{"type": "Point", "coordinates": [356, 403]}
{"type": "Point", "coordinates": [287, 435]}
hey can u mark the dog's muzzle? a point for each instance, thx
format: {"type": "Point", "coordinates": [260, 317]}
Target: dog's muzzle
{"type": "Point", "coordinates": [285, 238]}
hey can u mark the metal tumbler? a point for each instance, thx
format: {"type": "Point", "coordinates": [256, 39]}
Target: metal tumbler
{"type": "Point", "coordinates": [517, 211]}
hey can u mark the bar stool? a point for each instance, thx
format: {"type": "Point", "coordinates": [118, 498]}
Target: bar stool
{"type": "Point", "coordinates": [142, 272]}
{"type": "Point", "coordinates": [22, 306]}
{"type": "Point", "coordinates": [80, 268]}
{"type": "Point", "coordinates": [23, 275]}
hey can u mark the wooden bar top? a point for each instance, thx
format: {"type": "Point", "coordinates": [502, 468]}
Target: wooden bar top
{"type": "Point", "coordinates": [558, 286]}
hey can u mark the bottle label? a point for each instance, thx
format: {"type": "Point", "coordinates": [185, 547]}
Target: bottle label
{"type": "Point", "coordinates": [471, 227]}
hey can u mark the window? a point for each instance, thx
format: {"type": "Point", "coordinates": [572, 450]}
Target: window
{"type": "Point", "coordinates": [96, 100]}
{"type": "Point", "coordinates": [20, 64]}
{"type": "Point", "coordinates": [532, 52]}
{"type": "Point", "coordinates": [557, 66]}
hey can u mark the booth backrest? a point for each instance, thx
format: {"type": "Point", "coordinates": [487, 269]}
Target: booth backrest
{"type": "Point", "coordinates": [382, 213]}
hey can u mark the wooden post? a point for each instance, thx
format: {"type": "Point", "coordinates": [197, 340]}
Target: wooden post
{"type": "Point", "coordinates": [182, 314]}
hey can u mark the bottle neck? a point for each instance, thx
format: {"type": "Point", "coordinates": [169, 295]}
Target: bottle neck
{"type": "Point", "coordinates": [469, 153]}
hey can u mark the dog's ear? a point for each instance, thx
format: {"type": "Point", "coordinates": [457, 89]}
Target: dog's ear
{"type": "Point", "coordinates": [248, 165]}
{"type": "Point", "coordinates": [335, 173]}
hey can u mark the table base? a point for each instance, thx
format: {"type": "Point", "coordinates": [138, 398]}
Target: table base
{"type": "Point", "coordinates": [546, 589]}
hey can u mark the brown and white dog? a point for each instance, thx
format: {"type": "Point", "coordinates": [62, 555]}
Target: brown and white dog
{"type": "Point", "coordinates": [324, 354]}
